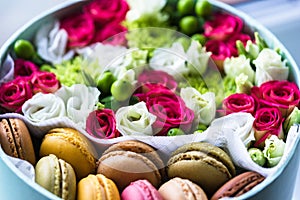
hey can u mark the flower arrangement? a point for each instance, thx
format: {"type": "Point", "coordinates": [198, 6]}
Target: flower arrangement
{"type": "Point", "coordinates": [121, 68]}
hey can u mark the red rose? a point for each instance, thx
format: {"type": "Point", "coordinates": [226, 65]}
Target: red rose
{"type": "Point", "coordinates": [222, 26]}
{"type": "Point", "coordinates": [102, 124]}
{"type": "Point", "coordinates": [24, 68]}
{"type": "Point", "coordinates": [239, 102]}
{"type": "Point", "coordinates": [13, 94]}
{"type": "Point", "coordinates": [284, 95]}
{"type": "Point", "coordinates": [268, 121]}
{"type": "Point", "coordinates": [45, 82]}
{"type": "Point", "coordinates": [170, 110]}
{"type": "Point", "coordinates": [111, 34]}
{"type": "Point", "coordinates": [220, 50]}
{"type": "Point", "coordinates": [149, 79]}
{"type": "Point", "coordinates": [80, 29]}
{"type": "Point", "coordinates": [103, 11]}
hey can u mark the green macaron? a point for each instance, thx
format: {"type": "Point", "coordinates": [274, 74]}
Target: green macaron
{"type": "Point", "coordinates": [203, 163]}
{"type": "Point", "coordinates": [57, 176]}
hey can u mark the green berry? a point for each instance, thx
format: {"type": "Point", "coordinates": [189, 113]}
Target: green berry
{"type": "Point", "coordinates": [105, 81]}
{"type": "Point", "coordinates": [200, 38]}
{"type": "Point", "coordinates": [186, 7]}
{"type": "Point", "coordinates": [257, 156]}
{"type": "Point", "coordinates": [175, 132]}
{"type": "Point", "coordinates": [121, 90]}
{"type": "Point", "coordinates": [203, 8]}
{"type": "Point", "coordinates": [24, 49]}
{"type": "Point", "coordinates": [189, 25]}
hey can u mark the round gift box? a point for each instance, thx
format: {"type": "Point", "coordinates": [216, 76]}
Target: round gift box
{"type": "Point", "coordinates": [15, 185]}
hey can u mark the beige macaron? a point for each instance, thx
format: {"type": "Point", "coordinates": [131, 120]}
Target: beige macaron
{"type": "Point", "coordinates": [129, 161]}
{"type": "Point", "coordinates": [181, 189]}
{"type": "Point", "coordinates": [70, 145]}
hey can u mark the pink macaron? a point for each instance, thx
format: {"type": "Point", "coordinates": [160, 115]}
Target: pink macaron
{"type": "Point", "coordinates": [140, 190]}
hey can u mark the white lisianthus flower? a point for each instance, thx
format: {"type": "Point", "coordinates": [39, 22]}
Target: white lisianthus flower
{"type": "Point", "coordinates": [52, 42]}
{"type": "Point", "coordinates": [99, 58]}
{"type": "Point", "coordinates": [170, 60]}
{"type": "Point", "coordinates": [234, 66]}
{"type": "Point", "coordinates": [243, 85]}
{"type": "Point", "coordinates": [135, 120]}
{"type": "Point", "coordinates": [197, 58]}
{"type": "Point", "coordinates": [42, 107]}
{"type": "Point", "coordinates": [273, 151]}
{"type": "Point", "coordinates": [138, 8]}
{"type": "Point", "coordinates": [203, 105]}
{"type": "Point", "coordinates": [269, 66]}
{"type": "Point", "coordinates": [79, 100]}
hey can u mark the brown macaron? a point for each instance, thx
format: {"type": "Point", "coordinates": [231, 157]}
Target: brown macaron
{"type": "Point", "coordinates": [15, 140]}
{"type": "Point", "coordinates": [181, 189]}
{"type": "Point", "coordinates": [73, 147]}
{"type": "Point", "coordinates": [202, 163]}
{"type": "Point", "coordinates": [239, 185]}
{"type": "Point", "coordinates": [128, 161]}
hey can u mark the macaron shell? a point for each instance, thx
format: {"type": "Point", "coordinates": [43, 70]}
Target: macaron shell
{"type": "Point", "coordinates": [68, 184]}
{"type": "Point", "coordinates": [141, 190]}
{"type": "Point", "coordinates": [210, 150]}
{"type": "Point", "coordinates": [181, 189]}
{"type": "Point", "coordinates": [239, 185]}
{"type": "Point", "coordinates": [90, 188]}
{"type": "Point", "coordinates": [124, 167]}
{"type": "Point", "coordinates": [70, 145]}
{"type": "Point", "coordinates": [97, 187]}
{"type": "Point", "coordinates": [48, 175]}
{"type": "Point", "coordinates": [7, 140]}
{"type": "Point", "coordinates": [23, 140]}
{"type": "Point", "coordinates": [140, 148]}
{"type": "Point", "coordinates": [201, 169]}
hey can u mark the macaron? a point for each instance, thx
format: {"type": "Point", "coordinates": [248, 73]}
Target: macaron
{"type": "Point", "coordinates": [141, 190]}
{"type": "Point", "coordinates": [181, 189]}
{"type": "Point", "coordinates": [97, 187]}
{"type": "Point", "coordinates": [129, 161]}
{"type": "Point", "coordinates": [73, 147]}
{"type": "Point", "coordinates": [57, 176]}
{"type": "Point", "coordinates": [202, 163]}
{"type": "Point", "coordinates": [239, 185]}
{"type": "Point", "coordinates": [15, 140]}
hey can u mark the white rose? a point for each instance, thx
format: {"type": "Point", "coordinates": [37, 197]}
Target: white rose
{"type": "Point", "coordinates": [52, 42]}
{"type": "Point", "coordinates": [135, 120]}
{"type": "Point", "coordinates": [197, 58]}
{"type": "Point", "coordinates": [80, 100]}
{"type": "Point", "coordinates": [203, 105]}
{"type": "Point", "coordinates": [138, 8]}
{"type": "Point", "coordinates": [42, 107]}
{"type": "Point", "coordinates": [170, 60]}
{"type": "Point", "coordinates": [234, 66]}
{"type": "Point", "coordinates": [269, 66]}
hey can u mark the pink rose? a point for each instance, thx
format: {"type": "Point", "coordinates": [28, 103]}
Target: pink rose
{"type": "Point", "coordinates": [170, 110]}
{"type": "Point", "coordinates": [45, 82]}
{"type": "Point", "coordinates": [268, 121]}
{"type": "Point", "coordinates": [232, 42]}
{"type": "Point", "coordinates": [239, 102]}
{"type": "Point", "coordinates": [13, 94]}
{"type": "Point", "coordinates": [220, 50]}
{"type": "Point", "coordinates": [111, 34]}
{"type": "Point", "coordinates": [284, 95]}
{"type": "Point", "coordinates": [103, 11]}
{"type": "Point", "coordinates": [222, 26]}
{"type": "Point", "coordinates": [149, 79]}
{"type": "Point", "coordinates": [24, 68]}
{"type": "Point", "coordinates": [102, 124]}
{"type": "Point", "coordinates": [80, 29]}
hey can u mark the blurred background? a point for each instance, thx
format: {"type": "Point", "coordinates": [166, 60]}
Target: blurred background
{"type": "Point", "coordinates": [281, 17]}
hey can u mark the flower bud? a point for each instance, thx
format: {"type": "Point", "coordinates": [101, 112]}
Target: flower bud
{"type": "Point", "coordinates": [175, 132]}
{"type": "Point", "coordinates": [257, 156]}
